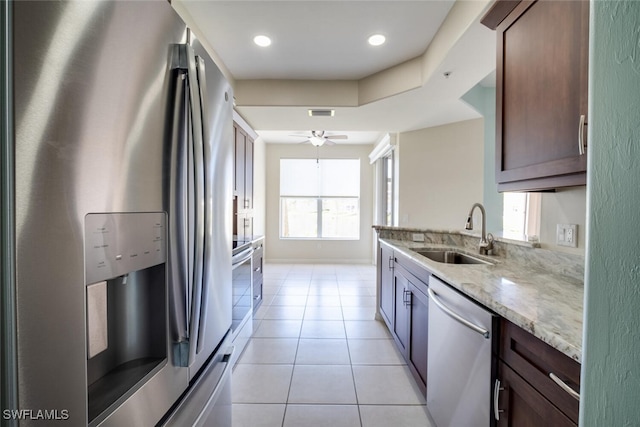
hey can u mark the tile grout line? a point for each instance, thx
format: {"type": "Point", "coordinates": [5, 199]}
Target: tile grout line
{"type": "Point", "coordinates": [295, 357]}
{"type": "Point", "coordinates": [353, 375]}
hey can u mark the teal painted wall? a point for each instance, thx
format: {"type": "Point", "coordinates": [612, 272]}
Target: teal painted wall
{"type": "Point", "coordinates": [483, 100]}
{"type": "Point", "coordinates": [611, 347]}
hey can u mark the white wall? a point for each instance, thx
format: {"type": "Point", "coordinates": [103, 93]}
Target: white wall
{"type": "Point", "coordinates": [259, 186]}
{"type": "Point", "coordinates": [440, 174]}
{"type": "Point", "coordinates": [319, 251]}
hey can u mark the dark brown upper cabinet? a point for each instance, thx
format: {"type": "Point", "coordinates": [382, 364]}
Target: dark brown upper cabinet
{"type": "Point", "coordinates": [243, 183]}
{"type": "Point", "coordinates": [541, 90]}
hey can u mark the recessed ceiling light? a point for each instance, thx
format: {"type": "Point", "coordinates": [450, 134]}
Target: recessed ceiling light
{"type": "Point", "coordinates": [262, 40]}
{"type": "Point", "coordinates": [377, 40]}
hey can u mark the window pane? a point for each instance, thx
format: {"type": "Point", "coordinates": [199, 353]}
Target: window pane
{"type": "Point", "coordinates": [339, 177]}
{"type": "Point", "coordinates": [299, 217]}
{"type": "Point", "coordinates": [299, 177]}
{"type": "Point", "coordinates": [388, 189]}
{"type": "Point", "coordinates": [340, 218]}
{"type": "Point", "coordinates": [514, 215]}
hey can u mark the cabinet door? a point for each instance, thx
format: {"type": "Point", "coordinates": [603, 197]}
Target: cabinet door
{"type": "Point", "coordinates": [541, 90]}
{"type": "Point", "coordinates": [520, 405]}
{"type": "Point", "coordinates": [248, 173]}
{"type": "Point", "coordinates": [385, 270]}
{"type": "Point", "coordinates": [401, 311]}
{"type": "Point", "coordinates": [239, 174]}
{"type": "Point", "coordinates": [418, 336]}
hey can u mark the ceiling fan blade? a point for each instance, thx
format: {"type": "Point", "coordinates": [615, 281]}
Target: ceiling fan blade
{"type": "Point", "coordinates": [337, 136]}
{"type": "Point", "coordinates": [305, 141]}
{"type": "Point", "coordinates": [329, 142]}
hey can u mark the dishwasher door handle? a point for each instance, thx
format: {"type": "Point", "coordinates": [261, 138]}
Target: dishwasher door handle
{"type": "Point", "coordinates": [455, 316]}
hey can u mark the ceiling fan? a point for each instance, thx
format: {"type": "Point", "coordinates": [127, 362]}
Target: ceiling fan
{"type": "Point", "coordinates": [319, 137]}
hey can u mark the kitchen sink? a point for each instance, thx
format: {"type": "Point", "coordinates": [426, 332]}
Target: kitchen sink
{"type": "Point", "coordinates": [451, 257]}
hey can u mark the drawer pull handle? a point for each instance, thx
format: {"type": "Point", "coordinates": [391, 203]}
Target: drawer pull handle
{"type": "Point", "coordinates": [581, 145]}
{"type": "Point", "coordinates": [406, 297]}
{"type": "Point", "coordinates": [564, 386]}
{"type": "Point", "coordinates": [455, 316]}
{"type": "Point", "coordinates": [496, 396]}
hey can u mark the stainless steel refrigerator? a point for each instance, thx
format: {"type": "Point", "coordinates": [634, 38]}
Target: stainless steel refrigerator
{"type": "Point", "coordinates": [116, 212]}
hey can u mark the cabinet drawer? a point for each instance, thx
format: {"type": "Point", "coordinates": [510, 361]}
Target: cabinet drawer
{"type": "Point", "coordinates": [520, 405]}
{"type": "Point", "coordinates": [536, 362]}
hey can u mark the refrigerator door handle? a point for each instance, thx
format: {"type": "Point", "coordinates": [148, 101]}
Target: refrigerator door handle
{"type": "Point", "coordinates": [198, 201]}
{"type": "Point", "coordinates": [188, 199]}
{"type": "Point", "coordinates": [205, 205]}
{"type": "Point", "coordinates": [179, 268]}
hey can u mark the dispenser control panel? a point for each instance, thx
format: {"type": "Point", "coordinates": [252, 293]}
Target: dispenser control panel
{"type": "Point", "coordinates": [120, 243]}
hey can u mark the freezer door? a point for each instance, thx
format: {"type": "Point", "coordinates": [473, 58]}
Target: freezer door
{"type": "Point", "coordinates": [208, 402]}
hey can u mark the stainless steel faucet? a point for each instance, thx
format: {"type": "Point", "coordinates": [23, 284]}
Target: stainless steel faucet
{"type": "Point", "coordinates": [485, 245]}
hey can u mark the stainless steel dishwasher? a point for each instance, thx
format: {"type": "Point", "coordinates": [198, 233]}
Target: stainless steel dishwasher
{"type": "Point", "coordinates": [460, 367]}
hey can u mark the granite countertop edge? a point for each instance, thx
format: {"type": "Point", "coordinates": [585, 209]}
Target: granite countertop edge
{"type": "Point", "coordinates": [547, 305]}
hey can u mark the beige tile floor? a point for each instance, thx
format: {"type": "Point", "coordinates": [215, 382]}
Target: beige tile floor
{"type": "Point", "coordinates": [319, 358]}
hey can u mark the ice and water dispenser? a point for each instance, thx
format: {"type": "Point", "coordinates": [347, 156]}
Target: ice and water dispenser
{"type": "Point", "coordinates": [126, 305]}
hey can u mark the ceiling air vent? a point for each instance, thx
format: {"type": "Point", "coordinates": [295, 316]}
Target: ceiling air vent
{"type": "Point", "coordinates": [322, 113]}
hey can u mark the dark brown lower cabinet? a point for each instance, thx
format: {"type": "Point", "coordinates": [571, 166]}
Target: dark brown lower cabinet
{"type": "Point", "coordinates": [410, 326]}
{"type": "Point", "coordinates": [385, 270]}
{"type": "Point", "coordinates": [418, 337]}
{"type": "Point", "coordinates": [521, 405]}
{"type": "Point", "coordinates": [401, 312]}
{"type": "Point", "coordinates": [531, 396]}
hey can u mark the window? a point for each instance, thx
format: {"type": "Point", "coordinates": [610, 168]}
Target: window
{"type": "Point", "coordinates": [387, 189]}
{"type": "Point", "coordinates": [521, 216]}
{"type": "Point", "coordinates": [320, 199]}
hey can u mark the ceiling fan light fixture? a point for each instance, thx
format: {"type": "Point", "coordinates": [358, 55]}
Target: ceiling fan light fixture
{"type": "Point", "coordinates": [262, 40]}
{"type": "Point", "coordinates": [316, 141]}
{"type": "Point", "coordinates": [377, 40]}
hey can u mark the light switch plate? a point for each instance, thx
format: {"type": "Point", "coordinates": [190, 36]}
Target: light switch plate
{"type": "Point", "coordinates": [567, 235]}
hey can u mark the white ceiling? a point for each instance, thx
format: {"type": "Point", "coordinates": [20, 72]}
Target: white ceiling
{"type": "Point", "coordinates": [326, 40]}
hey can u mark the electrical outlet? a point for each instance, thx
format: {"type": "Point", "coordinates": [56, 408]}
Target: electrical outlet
{"type": "Point", "coordinates": [567, 235]}
{"type": "Point", "coordinates": [417, 237]}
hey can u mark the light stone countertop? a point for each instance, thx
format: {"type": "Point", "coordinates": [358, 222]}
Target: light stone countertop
{"type": "Point", "coordinates": [542, 301]}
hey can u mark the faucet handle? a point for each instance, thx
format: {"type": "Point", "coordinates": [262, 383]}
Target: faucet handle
{"type": "Point", "coordinates": [487, 246]}
{"type": "Point", "coordinates": [490, 239]}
